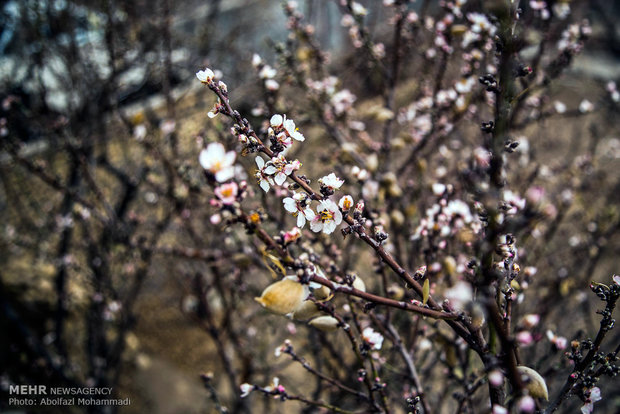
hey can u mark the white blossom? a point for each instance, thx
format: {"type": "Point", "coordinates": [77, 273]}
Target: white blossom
{"type": "Point", "coordinates": [438, 189]}
{"type": "Point", "coordinates": [327, 219]}
{"type": "Point", "coordinates": [595, 395]}
{"type": "Point", "coordinates": [272, 85]}
{"type": "Point", "coordinates": [372, 338]}
{"type": "Point", "coordinates": [513, 202]}
{"type": "Point", "coordinates": [284, 130]}
{"type": "Point", "coordinates": [246, 389]}
{"type": "Point", "coordinates": [293, 132]}
{"type": "Point", "coordinates": [346, 202]}
{"type": "Point", "coordinates": [358, 9]}
{"type": "Point", "coordinates": [331, 181]}
{"type": "Point", "coordinates": [205, 76]}
{"type": "Point", "coordinates": [256, 60]}
{"type": "Point", "coordinates": [275, 385]}
{"type": "Point", "coordinates": [216, 160]}
{"type": "Point", "coordinates": [263, 174]}
{"type": "Point", "coordinates": [465, 85]}
{"type": "Point", "coordinates": [267, 72]}
{"type": "Point", "coordinates": [459, 208]}
{"type": "Point", "coordinates": [459, 295]}
{"type": "Point", "coordinates": [296, 206]}
{"type": "Point", "coordinates": [283, 168]}
{"type": "Point", "coordinates": [480, 23]}
{"type": "Point", "coordinates": [585, 106]}
{"type": "Point", "coordinates": [276, 121]}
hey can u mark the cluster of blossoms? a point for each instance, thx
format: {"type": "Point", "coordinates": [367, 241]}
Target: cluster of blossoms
{"type": "Point", "coordinates": [328, 214]}
{"type": "Point", "coordinates": [274, 171]}
{"type": "Point", "coordinates": [220, 166]}
{"type": "Point", "coordinates": [446, 218]}
{"type": "Point", "coordinates": [325, 86]}
{"type": "Point", "coordinates": [282, 132]}
{"type": "Point", "coordinates": [342, 102]}
{"type": "Point", "coordinates": [480, 24]}
{"type": "Point", "coordinates": [419, 116]}
{"type": "Point", "coordinates": [573, 37]}
{"type": "Point", "coordinates": [338, 103]}
{"type": "Point", "coordinates": [561, 9]}
{"type": "Point", "coordinates": [266, 73]}
{"type": "Point", "coordinates": [349, 22]}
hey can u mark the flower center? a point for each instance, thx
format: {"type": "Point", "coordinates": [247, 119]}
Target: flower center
{"type": "Point", "coordinates": [326, 215]}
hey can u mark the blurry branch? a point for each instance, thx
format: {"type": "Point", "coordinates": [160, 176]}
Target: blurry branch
{"type": "Point", "coordinates": [288, 349]}
{"type": "Point", "coordinates": [207, 320]}
{"type": "Point", "coordinates": [355, 347]}
{"type": "Point", "coordinates": [206, 381]}
{"type": "Point", "coordinates": [393, 73]}
{"type": "Point", "coordinates": [31, 339]}
{"type": "Point", "coordinates": [365, 37]}
{"type": "Point", "coordinates": [411, 368]}
{"type": "Point", "coordinates": [283, 395]}
{"type": "Point", "coordinates": [54, 182]}
{"type": "Point", "coordinates": [63, 248]}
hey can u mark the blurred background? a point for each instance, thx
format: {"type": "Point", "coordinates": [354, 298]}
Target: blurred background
{"type": "Point", "coordinates": [112, 274]}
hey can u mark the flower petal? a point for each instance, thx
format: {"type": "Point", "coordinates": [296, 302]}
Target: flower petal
{"type": "Point", "coordinates": [290, 205]}
{"type": "Point", "coordinates": [316, 226]}
{"type": "Point", "coordinates": [280, 178]}
{"type": "Point", "coordinates": [309, 214]}
{"type": "Point", "coordinates": [225, 174]}
{"type": "Point", "coordinates": [301, 220]}
{"type": "Point", "coordinates": [337, 217]}
{"type": "Point", "coordinates": [329, 226]}
{"type": "Point", "coordinates": [260, 162]}
{"type": "Point", "coordinates": [229, 158]}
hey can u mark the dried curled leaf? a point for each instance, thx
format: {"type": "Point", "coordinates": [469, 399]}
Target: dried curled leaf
{"type": "Point", "coordinates": [305, 311]}
{"type": "Point", "coordinates": [284, 296]}
{"type": "Point", "coordinates": [325, 323]}
{"type": "Point", "coordinates": [273, 262]}
{"type": "Point", "coordinates": [323, 294]}
{"type": "Point", "coordinates": [359, 284]}
{"type": "Point", "coordinates": [534, 382]}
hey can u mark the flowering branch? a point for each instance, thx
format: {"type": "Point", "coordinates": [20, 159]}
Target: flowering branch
{"type": "Point", "coordinates": [610, 295]}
